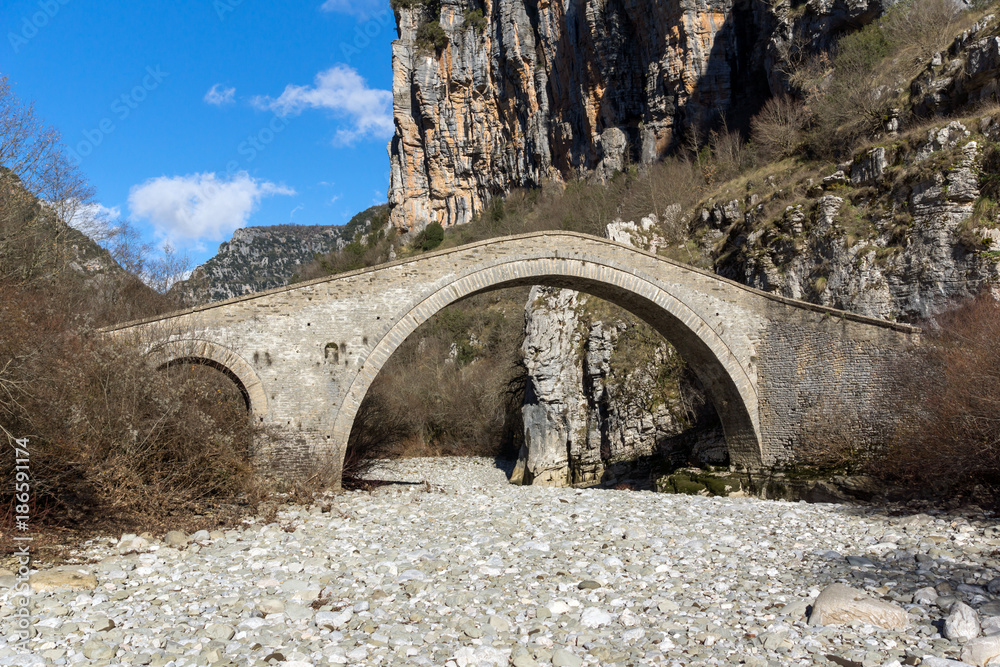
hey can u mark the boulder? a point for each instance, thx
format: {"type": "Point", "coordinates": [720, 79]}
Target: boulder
{"type": "Point", "coordinates": [176, 538]}
{"type": "Point", "coordinates": [839, 604]}
{"type": "Point", "coordinates": [962, 623]}
{"type": "Point", "coordinates": [62, 579]}
{"type": "Point", "coordinates": [981, 650]}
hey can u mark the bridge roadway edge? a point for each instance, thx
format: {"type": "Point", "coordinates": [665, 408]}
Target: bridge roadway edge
{"type": "Point", "coordinates": [805, 305]}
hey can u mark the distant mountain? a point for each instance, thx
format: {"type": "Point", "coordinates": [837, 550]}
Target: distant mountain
{"type": "Point", "coordinates": [262, 258]}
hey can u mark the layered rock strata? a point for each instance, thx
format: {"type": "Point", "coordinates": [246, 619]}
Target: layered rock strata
{"type": "Point", "coordinates": [494, 95]}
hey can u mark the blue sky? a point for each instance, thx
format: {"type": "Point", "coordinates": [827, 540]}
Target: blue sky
{"type": "Point", "coordinates": [195, 117]}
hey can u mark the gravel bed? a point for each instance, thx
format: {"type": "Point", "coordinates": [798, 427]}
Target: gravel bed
{"type": "Point", "coordinates": [453, 566]}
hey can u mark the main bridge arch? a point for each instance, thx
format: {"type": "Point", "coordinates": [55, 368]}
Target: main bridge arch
{"type": "Point", "coordinates": [777, 370]}
{"type": "Point", "coordinates": [730, 386]}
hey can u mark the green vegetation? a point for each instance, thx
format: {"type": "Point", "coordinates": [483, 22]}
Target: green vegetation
{"type": "Point", "coordinates": [431, 36]}
{"type": "Point", "coordinates": [474, 20]}
{"type": "Point", "coordinates": [698, 482]}
{"type": "Point", "coordinates": [431, 237]}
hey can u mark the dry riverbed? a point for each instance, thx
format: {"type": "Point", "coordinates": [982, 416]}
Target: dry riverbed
{"type": "Point", "coordinates": [453, 566]}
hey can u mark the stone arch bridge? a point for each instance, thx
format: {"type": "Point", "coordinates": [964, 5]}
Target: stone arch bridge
{"type": "Point", "coordinates": [777, 370]}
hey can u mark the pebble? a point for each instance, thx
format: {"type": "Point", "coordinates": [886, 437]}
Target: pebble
{"type": "Point", "coordinates": [176, 538]}
{"type": "Point", "coordinates": [455, 567]}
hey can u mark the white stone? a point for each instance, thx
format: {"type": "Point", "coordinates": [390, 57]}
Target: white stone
{"type": "Point", "coordinates": [962, 623]}
{"type": "Point", "coordinates": [839, 604]}
{"type": "Point", "coordinates": [592, 617]}
{"type": "Point", "coordinates": [980, 650]}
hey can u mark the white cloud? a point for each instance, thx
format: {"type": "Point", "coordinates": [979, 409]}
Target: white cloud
{"type": "Point", "coordinates": [343, 91]}
{"type": "Point", "coordinates": [218, 95]}
{"type": "Point", "coordinates": [359, 8]}
{"type": "Point", "coordinates": [187, 209]}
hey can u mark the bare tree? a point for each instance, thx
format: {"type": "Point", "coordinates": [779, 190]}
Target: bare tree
{"type": "Point", "coordinates": [33, 151]}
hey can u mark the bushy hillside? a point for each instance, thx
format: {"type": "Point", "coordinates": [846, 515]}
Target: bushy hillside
{"type": "Point", "coordinates": [108, 437]}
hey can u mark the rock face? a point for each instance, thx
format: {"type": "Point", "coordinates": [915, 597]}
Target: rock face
{"type": "Point", "coordinates": [585, 421]}
{"type": "Point", "coordinates": [965, 73]}
{"type": "Point", "coordinates": [522, 92]}
{"type": "Point", "coordinates": [555, 410]}
{"type": "Point", "coordinates": [257, 259]}
{"type": "Point", "coordinates": [262, 258]}
{"type": "Point", "coordinates": [902, 249]}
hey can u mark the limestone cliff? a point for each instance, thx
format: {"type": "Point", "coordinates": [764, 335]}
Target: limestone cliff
{"type": "Point", "coordinates": [497, 94]}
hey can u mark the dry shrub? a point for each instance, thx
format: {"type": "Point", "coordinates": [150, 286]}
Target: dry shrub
{"type": "Point", "coordinates": [856, 96]}
{"type": "Point", "coordinates": [453, 388]}
{"type": "Point", "coordinates": [378, 432]}
{"type": "Point", "coordinates": [777, 130]}
{"type": "Point", "coordinates": [831, 444]}
{"type": "Point", "coordinates": [852, 92]}
{"type": "Point", "coordinates": [110, 437]}
{"type": "Point", "coordinates": [920, 28]}
{"type": "Point", "coordinates": [588, 206]}
{"type": "Point", "coordinates": [949, 399]}
{"type": "Point", "coordinates": [732, 155]}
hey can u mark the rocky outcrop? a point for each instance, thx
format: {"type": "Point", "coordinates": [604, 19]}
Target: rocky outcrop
{"type": "Point", "coordinates": [964, 74]}
{"type": "Point", "coordinates": [900, 241]}
{"type": "Point", "coordinates": [261, 258]}
{"type": "Point", "coordinates": [257, 259]}
{"type": "Point", "coordinates": [555, 410]}
{"type": "Point", "coordinates": [591, 416]}
{"type": "Point", "coordinates": [515, 93]}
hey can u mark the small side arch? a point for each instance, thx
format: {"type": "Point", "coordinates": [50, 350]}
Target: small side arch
{"type": "Point", "coordinates": [732, 390]}
{"type": "Point", "coordinates": [207, 353]}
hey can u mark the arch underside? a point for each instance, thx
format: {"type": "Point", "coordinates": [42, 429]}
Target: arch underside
{"type": "Point", "coordinates": [730, 388]}
{"type": "Point", "coordinates": [207, 353]}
